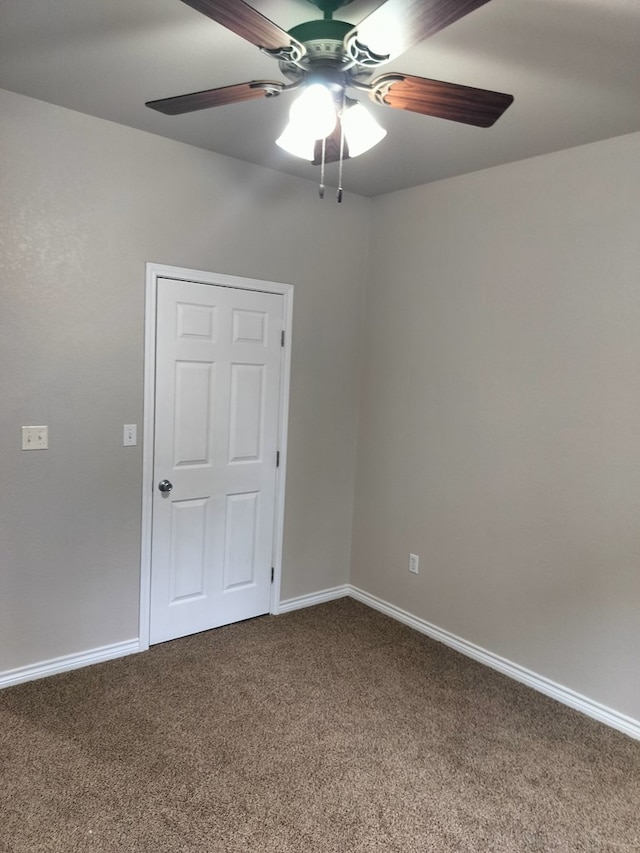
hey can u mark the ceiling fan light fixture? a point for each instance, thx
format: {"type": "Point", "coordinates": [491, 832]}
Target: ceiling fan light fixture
{"type": "Point", "coordinates": [325, 58]}
{"type": "Point", "coordinates": [361, 130]}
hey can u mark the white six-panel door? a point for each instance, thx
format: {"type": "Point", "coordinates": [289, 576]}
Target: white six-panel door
{"type": "Point", "coordinates": [218, 366]}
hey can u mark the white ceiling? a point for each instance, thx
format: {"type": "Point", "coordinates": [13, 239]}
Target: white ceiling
{"type": "Point", "coordinates": [573, 67]}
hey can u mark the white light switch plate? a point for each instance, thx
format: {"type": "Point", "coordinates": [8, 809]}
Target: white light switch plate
{"type": "Point", "coordinates": [35, 437]}
{"type": "Point", "coordinates": [129, 435]}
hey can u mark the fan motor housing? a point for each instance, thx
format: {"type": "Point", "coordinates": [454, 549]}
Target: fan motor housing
{"type": "Point", "coordinates": [324, 42]}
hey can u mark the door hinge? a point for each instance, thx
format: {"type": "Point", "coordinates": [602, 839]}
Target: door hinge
{"type": "Point", "coordinates": [282, 339]}
{"type": "Point", "coordinates": [277, 458]}
{"type": "Point", "coordinates": [272, 573]}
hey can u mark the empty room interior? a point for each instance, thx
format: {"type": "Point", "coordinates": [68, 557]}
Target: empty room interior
{"type": "Point", "coordinates": [457, 423]}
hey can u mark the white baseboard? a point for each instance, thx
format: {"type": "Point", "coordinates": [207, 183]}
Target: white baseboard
{"type": "Point", "coordinates": [544, 685]}
{"type": "Point", "coordinates": [67, 662]}
{"type": "Point", "coordinates": [565, 695]}
{"type": "Point", "coordinates": [301, 601]}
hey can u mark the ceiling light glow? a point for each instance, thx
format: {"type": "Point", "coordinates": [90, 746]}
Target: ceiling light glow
{"type": "Point", "coordinates": [313, 116]}
{"type": "Point", "coordinates": [314, 111]}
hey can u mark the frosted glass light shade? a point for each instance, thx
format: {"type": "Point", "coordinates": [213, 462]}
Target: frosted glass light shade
{"type": "Point", "coordinates": [361, 130]}
{"type": "Point", "coordinates": [295, 141]}
{"type": "Point", "coordinates": [314, 111]}
{"type": "Point", "coordinates": [312, 116]}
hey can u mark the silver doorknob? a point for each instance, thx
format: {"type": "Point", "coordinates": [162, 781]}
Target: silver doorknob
{"type": "Point", "coordinates": [165, 486]}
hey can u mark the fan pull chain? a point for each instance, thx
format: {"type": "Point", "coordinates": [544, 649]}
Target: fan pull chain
{"type": "Point", "coordinates": [324, 151]}
{"type": "Point", "coordinates": [339, 193]}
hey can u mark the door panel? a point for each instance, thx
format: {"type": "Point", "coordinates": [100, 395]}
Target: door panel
{"type": "Point", "coordinates": [218, 365]}
{"type": "Point", "coordinates": [194, 396]}
{"type": "Point", "coordinates": [188, 550]}
{"type": "Point", "coordinates": [240, 539]}
{"type": "Point", "coordinates": [247, 413]}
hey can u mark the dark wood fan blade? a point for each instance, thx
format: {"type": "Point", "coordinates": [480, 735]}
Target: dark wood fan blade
{"type": "Point", "coordinates": [216, 97]}
{"type": "Point", "coordinates": [332, 148]}
{"type": "Point", "coordinates": [465, 104]}
{"type": "Point", "coordinates": [397, 25]}
{"type": "Point", "coordinates": [247, 22]}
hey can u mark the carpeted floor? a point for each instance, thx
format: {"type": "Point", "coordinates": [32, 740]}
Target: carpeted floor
{"type": "Point", "coordinates": [327, 730]}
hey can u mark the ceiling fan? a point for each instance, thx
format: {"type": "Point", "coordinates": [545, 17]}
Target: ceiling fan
{"type": "Point", "coordinates": [328, 58]}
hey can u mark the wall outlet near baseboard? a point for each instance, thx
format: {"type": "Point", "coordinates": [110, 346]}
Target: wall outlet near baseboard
{"type": "Point", "coordinates": [414, 563]}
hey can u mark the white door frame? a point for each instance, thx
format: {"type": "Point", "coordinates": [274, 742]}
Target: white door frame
{"type": "Point", "coordinates": [154, 272]}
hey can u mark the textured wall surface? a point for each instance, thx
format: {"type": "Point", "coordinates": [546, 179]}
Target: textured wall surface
{"type": "Point", "coordinates": [500, 419]}
{"type": "Point", "coordinates": [84, 205]}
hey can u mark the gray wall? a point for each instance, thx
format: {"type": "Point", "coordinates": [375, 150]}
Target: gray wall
{"type": "Point", "coordinates": [84, 204]}
{"type": "Point", "coordinates": [500, 418]}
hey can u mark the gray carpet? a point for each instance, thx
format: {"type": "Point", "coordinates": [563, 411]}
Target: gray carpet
{"type": "Point", "coordinates": [328, 729]}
